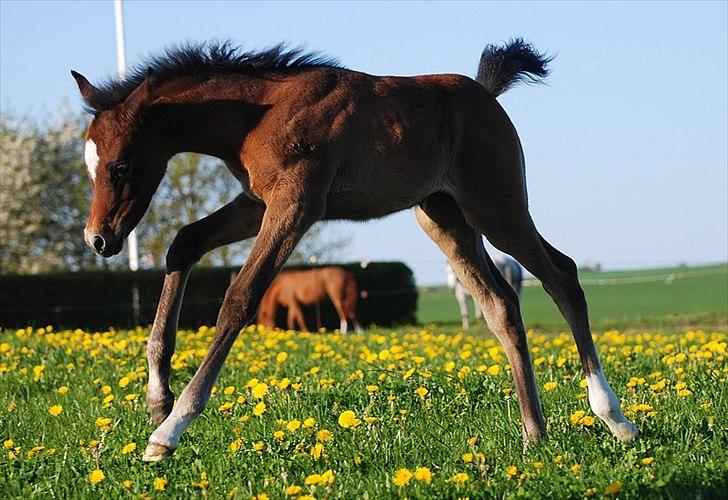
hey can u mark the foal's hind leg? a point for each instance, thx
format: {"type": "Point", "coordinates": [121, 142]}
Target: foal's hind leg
{"type": "Point", "coordinates": [513, 232]}
{"type": "Point", "coordinates": [233, 222]}
{"type": "Point", "coordinates": [443, 221]}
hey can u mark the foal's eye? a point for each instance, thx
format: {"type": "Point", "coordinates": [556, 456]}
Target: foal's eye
{"type": "Point", "coordinates": [121, 170]}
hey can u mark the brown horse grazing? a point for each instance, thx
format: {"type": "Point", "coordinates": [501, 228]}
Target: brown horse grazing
{"type": "Point", "coordinates": [292, 289]}
{"type": "Point", "coordinates": [310, 140]}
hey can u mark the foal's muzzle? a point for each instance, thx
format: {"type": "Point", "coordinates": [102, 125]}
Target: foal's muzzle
{"type": "Point", "coordinates": [104, 243]}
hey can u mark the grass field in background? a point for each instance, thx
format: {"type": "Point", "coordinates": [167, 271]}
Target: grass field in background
{"type": "Point", "coordinates": [649, 298]}
{"type": "Point", "coordinates": [405, 413]}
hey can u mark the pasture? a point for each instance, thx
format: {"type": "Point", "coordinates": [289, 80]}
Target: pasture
{"type": "Point", "coordinates": [670, 298]}
{"type": "Point", "coordinates": [407, 412]}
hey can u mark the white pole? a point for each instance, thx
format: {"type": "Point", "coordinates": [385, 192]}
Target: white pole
{"type": "Point", "coordinates": [121, 64]}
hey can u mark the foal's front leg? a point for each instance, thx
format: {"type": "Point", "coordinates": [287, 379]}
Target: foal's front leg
{"type": "Point", "coordinates": [283, 225]}
{"type": "Point", "coordinates": [233, 222]}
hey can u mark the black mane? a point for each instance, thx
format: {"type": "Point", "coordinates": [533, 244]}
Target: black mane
{"type": "Point", "coordinates": [190, 59]}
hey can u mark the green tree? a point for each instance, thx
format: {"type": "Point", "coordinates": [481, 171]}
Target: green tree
{"type": "Point", "coordinates": [44, 195]}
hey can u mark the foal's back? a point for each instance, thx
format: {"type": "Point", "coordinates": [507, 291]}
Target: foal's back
{"type": "Point", "coordinates": [385, 142]}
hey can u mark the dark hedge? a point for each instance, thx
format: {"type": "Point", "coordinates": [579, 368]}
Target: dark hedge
{"type": "Point", "coordinates": [100, 299]}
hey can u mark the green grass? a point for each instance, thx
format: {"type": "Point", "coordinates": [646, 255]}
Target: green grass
{"type": "Point", "coordinates": [693, 296]}
{"type": "Point", "coordinates": [685, 433]}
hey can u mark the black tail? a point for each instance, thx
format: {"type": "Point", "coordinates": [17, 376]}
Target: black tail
{"type": "Point", "coordinates": [517, 61]}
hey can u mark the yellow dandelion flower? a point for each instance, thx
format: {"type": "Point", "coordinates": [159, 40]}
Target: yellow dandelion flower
{"type": "Point", "coordinates": [259, 409]}
{"type": "Point", "coordinates": [422, 391]}
{"type": "Point", "coordinates": [613, 488]}
{"type": "Point", "coordinates": [127, 484]}
{"type": "Point", "coordinates": [260, 390]}
{"type": "Point", "coordinates": [281, 357]}
{"type": "Point", "coordinates": [328, 477]}
{"type": "Point", "coordinates": [576, 469]}
{"type": "Point", "coordinates": [511, 470]}
{"type": "Point", "coordinates": [473, 441]}
{"type": "Point", "coordinates": [313, 480]}
{"type": "Point", "coordinates": [467, 458]}
{"type": "Point", "coordinates": [131, 397]}
{"type": "Point", "coordinates": [316, 451]}
{"type": "Point", "coordinates": [587, 421]}
{"type": "Point", "coordinates": [96, 476]}
{"type": "Point", "coordinates": [9, 444]}
{"type": "Point", "coordinates": [259, 446]}
{"type": "Point", "coordinates": [225, 407]}
{"type": "Point", "coordinates": [423, 475]}
{"type": "Point", "coordinates": [550, 386]}
{"type": "Point", "coordinates": [234, 446]}
{"type": "Point", "coordinates": [293, 425]}
{"type": "Point", "coordinates": [324, 435]}
{"type": "Point", "coordinates": [347, 419]}
{"type": "Point", "coordinates": [460, 478]}
{"type": "Point", "coordinates": [372, 388]}
{"type": "Point", "coordinates": [103, 422]}
{"type": "Point", "coordinates": [309, 422]}
{"type": "Point", "coordinates": [494, 370]}
{"type": "Point", "coordinates": [576, 416]}
{"type": "Point", "coordinates": [647, 460]}
{"type": "Point", "coordinates": [55, 410]}
{"type": "Point", "coordinates": [538, 465]}
{"type": "Point", "coordinates": [293, 490]}
{"type": "Point", "coordinates": [62, 389]}
{"type": "Point", "coordinates": [106, 389]}
{"type": "Point", "coordinates": [160, 483]}
{"type": "Point", "coordinates": [128, 448]}
{"type": "Point", "coordinates": [123, 382]}
{"type": "Point", "coordinates": [229, 390]}
{"type": "Point", "coordinates": [279, 435]}
{"type": "Point", "coordinates": [402, 477]}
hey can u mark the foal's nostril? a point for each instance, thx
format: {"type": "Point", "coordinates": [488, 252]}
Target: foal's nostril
{"type": "Point", "coordinates": [99, 243]}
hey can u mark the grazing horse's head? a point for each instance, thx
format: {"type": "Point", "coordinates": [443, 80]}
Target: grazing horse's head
{"type": "Point", "coordinates": [124, 167]}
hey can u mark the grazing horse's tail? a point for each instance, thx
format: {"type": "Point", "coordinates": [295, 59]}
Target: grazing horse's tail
{"type": "Point", "coordinates": [517, 61]}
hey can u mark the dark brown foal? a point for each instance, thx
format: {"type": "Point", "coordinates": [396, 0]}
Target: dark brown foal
{"type": "Point", "coordinates": [309, 140]}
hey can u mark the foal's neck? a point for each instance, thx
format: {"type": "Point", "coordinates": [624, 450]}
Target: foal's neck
{"type": "Point", "coordinates": [182, 121]}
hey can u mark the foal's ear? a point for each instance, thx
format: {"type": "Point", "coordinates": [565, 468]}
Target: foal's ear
{"type": "Point", "coordinates": [84, 86]}
{"type": "Point", "coordinates": [141, 96]}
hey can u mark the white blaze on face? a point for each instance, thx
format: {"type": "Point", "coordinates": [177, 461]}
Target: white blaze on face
{"type": "Point", "coordinates": [92, 158]}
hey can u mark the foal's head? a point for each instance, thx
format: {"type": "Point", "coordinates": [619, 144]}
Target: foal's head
{"type": "Point", "coordinates": [124, 169]}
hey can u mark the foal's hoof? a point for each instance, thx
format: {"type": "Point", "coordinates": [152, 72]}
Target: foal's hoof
{"type": "Point", "coordinates": [625, 431]}
{"type": "Point", "coordinates": [156, 452]}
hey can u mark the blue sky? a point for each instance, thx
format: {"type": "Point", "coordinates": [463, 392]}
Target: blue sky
{"type": "Point", "coordinates": [626, 150]}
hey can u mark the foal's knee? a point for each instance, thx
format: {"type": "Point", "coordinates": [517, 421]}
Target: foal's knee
{"type": "Point", "coordinates": [184, 250]}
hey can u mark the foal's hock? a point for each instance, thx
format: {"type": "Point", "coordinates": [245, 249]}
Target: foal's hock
{"type": "Point", "coordinates": [309, 140]}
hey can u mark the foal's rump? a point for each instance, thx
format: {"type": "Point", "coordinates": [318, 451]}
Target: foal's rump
{"type": "Point", "coordinates": [402, 141]}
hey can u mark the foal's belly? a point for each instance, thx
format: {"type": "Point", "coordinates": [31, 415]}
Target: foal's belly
{"type": "Point", "coordinates": [386, 196]}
